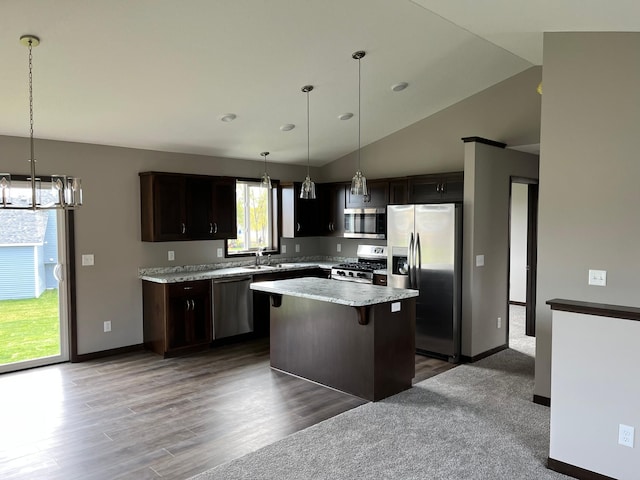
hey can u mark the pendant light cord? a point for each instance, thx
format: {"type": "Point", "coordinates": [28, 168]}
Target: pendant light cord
{"type": "Point", "coordinates": [308, 130]}
{"type": "Point", "coordinates": [359, 112]}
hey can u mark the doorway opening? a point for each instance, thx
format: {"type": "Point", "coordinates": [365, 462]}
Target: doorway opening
{"type": "Point", "coordinates": [34, 327]}
{"type": "Point", "coordinates": [523, 228]}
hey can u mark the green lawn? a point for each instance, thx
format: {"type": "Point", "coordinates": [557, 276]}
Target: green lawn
{"type": "Point", "coordinates": [29, 328]}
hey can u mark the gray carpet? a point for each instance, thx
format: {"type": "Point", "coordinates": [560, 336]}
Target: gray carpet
{"type": "Point", "coordinates": [476, 421]}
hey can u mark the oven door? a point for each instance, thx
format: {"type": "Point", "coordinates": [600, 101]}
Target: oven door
{"type": "Point", "coordinates": [365, 223]}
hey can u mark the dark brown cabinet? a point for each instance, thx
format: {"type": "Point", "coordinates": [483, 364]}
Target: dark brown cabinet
{"type": "Point", "coordinates": [448, 187]}
{"type": "Point", "coordinates": [399, 192]}
{"type": "Point", "coordinates": [332, 202]}
{"type": "Point", "coordinates": [378, 196]}
{"type": "Point", "coordinates": [176, 316]}
{"type": "Point", "coordinates": [300, 217]}
{"type": "Point", "coordinates": [186, 207]}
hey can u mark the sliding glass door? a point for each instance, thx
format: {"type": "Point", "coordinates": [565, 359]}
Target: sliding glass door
{"type": "Point", "coordinates": [33, 286]}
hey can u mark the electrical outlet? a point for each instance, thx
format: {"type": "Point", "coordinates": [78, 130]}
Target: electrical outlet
{"type": "Point", "coordinates": [219, 253]}
{"type": "Point", "coordinates": [499, 322]}
{"type": "Point", "coordinates": [598, 277]}
{"type": "Point", "coordinates": [284, 249]}
{"type": "Point", "coordinates": [107, 326]}
{"type": "Point", "coordinates": [625, 435]}
{"type": "Point", "coordinates": [297, 248]}
{"type": "Point", "coordinates": [171, 255]}
{"type": "Point", "coordinates": [339, 247]}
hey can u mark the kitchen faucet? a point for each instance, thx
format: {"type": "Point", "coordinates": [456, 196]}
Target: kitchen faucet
{"type": "Point", "coordinates": [258, 255]}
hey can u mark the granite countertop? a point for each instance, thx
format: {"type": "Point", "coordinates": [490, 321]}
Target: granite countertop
{"type": "Point", "coordinates": [352, 294]}
{"type": "Point", "coordinates": [189, 274]}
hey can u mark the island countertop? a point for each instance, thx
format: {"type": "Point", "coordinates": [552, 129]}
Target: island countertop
{"type": "Point", "coordinates": [351, 294]}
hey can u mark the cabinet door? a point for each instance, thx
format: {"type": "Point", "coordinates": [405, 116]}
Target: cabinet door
{"type": "Point", "coordinates": [169, 209]}
{"type": "Point", "coordinates": [331, 202]}
{"type": "Point", "coordinates": [199, 199]}
{"type": "Point", "coordinates": [398, 192]}
{"type": "Point", "coordinates": [452, 188]}
{"type": "Point", "coordinates": [223, 217]}
{"type": "Point", "coordinates": [425, 189]}
{"type": "Point", "coordinates": [189, 314]}
{"type": "Point", "coordinates": [378, 196]}
{"type": "Point", "coordinates": [300, 217]}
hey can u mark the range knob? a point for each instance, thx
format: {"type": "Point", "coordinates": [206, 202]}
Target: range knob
{"type": "Point", "coordinates": [341, 273]}
{"type": "Point", "coordinates": [361, 275]}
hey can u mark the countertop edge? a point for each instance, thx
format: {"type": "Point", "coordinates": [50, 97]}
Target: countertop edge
{"type": "Point", "coordinates": [380, 294]}
{"type": "Point", "coordinates": [593, 308]}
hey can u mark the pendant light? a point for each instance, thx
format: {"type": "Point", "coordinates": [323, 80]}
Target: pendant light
{"type": "Point", "coordinates": [359, 181]}
{"type": "Point", "coordinates": [67, 189]}
{"type": "Point", "coordinates": [308, 190]}
{"type": "Point", "coordinates": [266, 180]}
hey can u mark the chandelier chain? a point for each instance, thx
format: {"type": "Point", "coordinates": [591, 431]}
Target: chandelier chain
{"type": "Point", "coordinates": [31, 98]}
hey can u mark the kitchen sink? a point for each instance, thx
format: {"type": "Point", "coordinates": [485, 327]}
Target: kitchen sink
{"type": "Point", "coordinates": [260, 267]}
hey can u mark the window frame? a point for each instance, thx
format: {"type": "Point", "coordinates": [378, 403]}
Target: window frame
{"type": "Point", "coordinates": [276, 222]}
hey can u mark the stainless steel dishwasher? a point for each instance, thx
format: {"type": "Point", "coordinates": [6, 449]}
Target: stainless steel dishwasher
{"type": "Point", "coordinates": [232, 307]}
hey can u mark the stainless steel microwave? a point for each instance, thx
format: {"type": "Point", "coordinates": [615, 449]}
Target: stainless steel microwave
{"type": "Point", "coordinates": [365, 223]}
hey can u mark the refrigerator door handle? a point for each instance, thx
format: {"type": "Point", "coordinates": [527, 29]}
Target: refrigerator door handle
{"type": "Point", "coordinates": [418, 261]}
{"type": "Point", "coordinates": [410, 260]}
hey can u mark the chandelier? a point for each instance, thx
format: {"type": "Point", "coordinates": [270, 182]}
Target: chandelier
{"type": "Point", "coordinates": [66, 190]}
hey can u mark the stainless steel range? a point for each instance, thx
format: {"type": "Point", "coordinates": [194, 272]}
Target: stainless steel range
{"type": "Point", "coordinates": [370, 258]}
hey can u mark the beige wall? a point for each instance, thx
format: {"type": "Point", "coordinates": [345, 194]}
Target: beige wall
{"type": "Point", "coordinates": [589, 170]}
{"type": "Point", "coordinates": [508, 112]}
{"type": "Point", "coordinates": [488, 171]}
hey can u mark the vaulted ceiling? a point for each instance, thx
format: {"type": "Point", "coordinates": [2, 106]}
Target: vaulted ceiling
{"type": "Point", "coordinates": [159, 74]}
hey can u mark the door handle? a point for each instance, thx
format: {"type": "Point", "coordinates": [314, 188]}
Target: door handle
{"type": "Point", "coordinates": [418, 261]}
{"type": "Point", "coordinates": [57, 272]}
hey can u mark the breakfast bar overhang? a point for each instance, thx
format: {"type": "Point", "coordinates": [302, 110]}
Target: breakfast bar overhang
{"type": "Point", "coordinates": [353, 337]}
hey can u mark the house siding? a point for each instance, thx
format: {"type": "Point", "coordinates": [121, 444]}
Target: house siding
{"type": "Point", "coordinates": [17, 279]}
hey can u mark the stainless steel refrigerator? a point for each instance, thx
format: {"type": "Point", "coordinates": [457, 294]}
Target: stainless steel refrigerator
{"type": "Point", "coordinates": [424, 244]}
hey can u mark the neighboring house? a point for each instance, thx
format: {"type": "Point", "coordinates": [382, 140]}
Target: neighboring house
{"type": "Point", "coordinates": [28, 253]}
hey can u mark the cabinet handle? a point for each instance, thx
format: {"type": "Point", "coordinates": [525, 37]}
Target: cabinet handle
{"type": "Point", "coordinates": [193, 304]}
{"type": "Point", "coordinates": [210, 228]}
{"type": "Point", "coordinates": [188, 305]}
{"type": "Point", "coordinates": [297, 226]}
{"type": "Point", "coordinates": [183, 228]}
{"type": "Point", "coordinates": [331, 227]}
{"type": "Point", "coordinates": [215, 227]}
{"type": "Point", "coordinates": [188, 288]}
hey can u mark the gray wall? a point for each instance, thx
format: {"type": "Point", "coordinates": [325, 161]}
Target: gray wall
{"type": "Point", "coordinates": [108, 225]}
{"type": "Point", "coordinates": [508, 112]}
{"type": "Point", "coordinates": [487, 181]}
{"type": "Point", "coordinates": [589, 170]}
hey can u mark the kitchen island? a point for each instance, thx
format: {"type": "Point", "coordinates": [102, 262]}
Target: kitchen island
{"type": "Point", "coordinates": [354, 337]}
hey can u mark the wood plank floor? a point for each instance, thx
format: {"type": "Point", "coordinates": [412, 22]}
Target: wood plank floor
{"type": "Point", "coordinates": [138, 416]}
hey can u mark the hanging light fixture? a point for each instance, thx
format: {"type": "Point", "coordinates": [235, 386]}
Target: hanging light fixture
{"type": "Point", "coordinates": [359, 181]}
{"type": "Point", "coordinates": [67, 190]}
{"type": "Point", "coordinates": [308, 190]}
{"type": "Point", "coordinates": [266, 180]}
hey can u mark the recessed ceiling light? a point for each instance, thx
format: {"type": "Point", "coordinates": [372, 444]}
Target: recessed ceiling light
{"type": "Point", "coordinates": [228, 117]}
{"type": "Point", "coordinates": [345, 116]}
{"type": "Point", "coordinates": [287, 126]}
{"type": "Point", "coordinates": [398, 87]}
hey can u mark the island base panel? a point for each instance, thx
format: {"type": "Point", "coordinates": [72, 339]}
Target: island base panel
{"type": "Point", "coordinates": [324, 342]}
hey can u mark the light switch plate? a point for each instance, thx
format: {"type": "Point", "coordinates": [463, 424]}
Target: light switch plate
{"type": "Point", "coordinates": [219, 252]}
{"type": "Point", "coordinates": [479, 260]}
{"type": "Point", "coordinates": [87, 260]}
{"type": "Point", "coordinates": [598, 278]}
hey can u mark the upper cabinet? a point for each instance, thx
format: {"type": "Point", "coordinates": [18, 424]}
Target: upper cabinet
{"type": "Point", "coordinates": [378, 196]}
{"type": "Point", "coordinates": [441, 188]}
{"type": "Point", "coordinates": [186, 207]}
{"type": "Point", "coordinates": [300, 217]}
{"type": "Point", "coordinates": [332, 201]}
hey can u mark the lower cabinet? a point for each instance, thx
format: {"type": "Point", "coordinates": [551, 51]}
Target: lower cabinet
{"type": "Point", "coordinates": [176, 316]}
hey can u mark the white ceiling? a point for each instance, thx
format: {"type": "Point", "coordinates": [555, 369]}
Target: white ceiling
{"type": "Point", "coordinates": [158, 74]}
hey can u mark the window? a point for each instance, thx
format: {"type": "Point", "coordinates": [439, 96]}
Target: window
{"type": "Point", "coordinates": [256, 217]}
